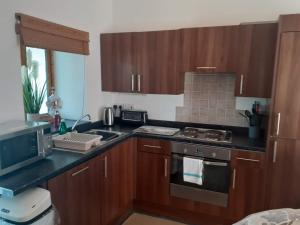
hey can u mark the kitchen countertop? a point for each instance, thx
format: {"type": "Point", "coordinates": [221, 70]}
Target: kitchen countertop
{"type": "Point", "coordinates": [61, 161]}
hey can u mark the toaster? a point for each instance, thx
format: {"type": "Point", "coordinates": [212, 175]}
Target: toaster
{"type": "Point", "coordinates": [134, 116]}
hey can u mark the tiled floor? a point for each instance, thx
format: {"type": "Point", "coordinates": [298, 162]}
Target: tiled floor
{"type": "Point", "coordinates": [140, 219]}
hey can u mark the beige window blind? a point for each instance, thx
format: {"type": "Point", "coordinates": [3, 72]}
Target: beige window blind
{"type": "Point", "coordinates": [38, 33]}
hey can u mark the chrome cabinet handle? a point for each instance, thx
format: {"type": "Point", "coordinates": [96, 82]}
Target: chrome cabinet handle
{"type": "Point", "coordinates": [241, 84]}
{"type": "Point", "coordinates": [233, 178]}
{"type": "Point", "coordinates": [250, 160]}
{"type": "Point", "coordinates": [166, 167]}
{"type": "Point", "coordinates": [132, 82]}
{"type": "Point", "coordinates": [105, 166]}
{"type": "Point", "coordinates": [278, 123]}
{"type": "Point", "coordinates": [139, 83]}
{"type": "Point", "coordinates": [206, 67]}
{"type": "Point", "coordinates": [152, 146]}
{"type": "Point", "coordinates": [275, 152]}
{"type": "Point", "coordinates": [80, 171]}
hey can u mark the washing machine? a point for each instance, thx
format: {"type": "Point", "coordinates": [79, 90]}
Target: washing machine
{"type": "Point", "coordinates": [32, 207]}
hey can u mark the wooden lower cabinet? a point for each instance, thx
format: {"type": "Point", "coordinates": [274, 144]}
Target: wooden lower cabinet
{"type": "Point", "coordinates": [77, 194]}
{"type": "Point", "coordinates": [136, 175]}
{"type": "Point", "coordinates": [153, 176]}
{"type": "Point", "coordinates": [98, 192]}
{"type": "Point", "coordinates": [118, 185]}
{"type": "Point", "coordinates": [284, 183]}
{"type": "Point", "coordinates": [247, 189]}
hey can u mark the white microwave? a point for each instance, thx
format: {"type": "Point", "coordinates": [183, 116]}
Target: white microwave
{"type": "Point", "coordinates": [23, 143]}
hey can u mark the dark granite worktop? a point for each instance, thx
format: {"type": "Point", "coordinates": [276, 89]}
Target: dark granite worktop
{"type": "Point", "coordinates": [61, 161]}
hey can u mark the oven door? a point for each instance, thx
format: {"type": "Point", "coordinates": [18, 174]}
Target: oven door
{"type": "Point", "coordinates": [215, 183]}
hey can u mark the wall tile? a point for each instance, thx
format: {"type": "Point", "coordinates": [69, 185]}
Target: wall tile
{"type": "Point", "coordinates": [210, 99]}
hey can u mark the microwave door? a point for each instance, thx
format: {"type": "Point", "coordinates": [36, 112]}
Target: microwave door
{"type": "Point", "coordinates": [18, 151]}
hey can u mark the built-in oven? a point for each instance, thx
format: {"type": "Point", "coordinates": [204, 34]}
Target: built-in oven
{"type": "Point", "coordinates": [215, 175]}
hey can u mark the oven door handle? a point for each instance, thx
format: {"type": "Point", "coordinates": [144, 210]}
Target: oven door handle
{"type": "Point", "coordinates": [223, 164]}
{"type": "Point", "coordinates": [208, 163]}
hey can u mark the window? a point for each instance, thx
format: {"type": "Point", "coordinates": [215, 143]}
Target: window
{"type": "Point", "coordinates": [38, 58]}
{"type": "Point", "coordinates": [57, 52]}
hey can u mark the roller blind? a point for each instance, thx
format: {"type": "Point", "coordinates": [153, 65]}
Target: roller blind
{"type": "Point", "coordinates": [38, 33]}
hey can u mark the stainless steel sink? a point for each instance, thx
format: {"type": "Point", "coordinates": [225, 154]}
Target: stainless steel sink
{"type": "Point", "coordinates": [106, 135]}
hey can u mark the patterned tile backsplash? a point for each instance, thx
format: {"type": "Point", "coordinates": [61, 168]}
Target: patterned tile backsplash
{"type": "Point", "coordinates": [210, 99]}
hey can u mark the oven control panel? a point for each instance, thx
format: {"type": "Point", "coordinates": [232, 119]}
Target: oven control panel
{"type": "Point", "coordinates": [203, 151]}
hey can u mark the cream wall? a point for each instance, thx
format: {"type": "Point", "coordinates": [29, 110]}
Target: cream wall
{"type": "Point", "coordinates": [141, 15]}
{"type": "Point", "coordinates": [94, 16]}
{"type": "Point", "coordinates": [138, 15]}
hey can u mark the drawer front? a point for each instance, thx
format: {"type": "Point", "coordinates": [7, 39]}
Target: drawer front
{"type": "Point", "coordinates": [248, 159]}
{"type": "Point", "coordinates": [155, 146]}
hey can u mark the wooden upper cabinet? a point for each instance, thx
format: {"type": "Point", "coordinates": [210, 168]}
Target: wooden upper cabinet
{"type": "Point", "coordinates": [158, 62]}
{"type": "Point", "coordinates": [256, 58]}
{"type": "Point", "coordinates": [117, 62]}
{"type": "Point", "coordinates": [142, 62]}
{"type": "Point", "coordinates": [246, 194]}
{"type": "Point", "coordinates": [209, 49]}
{"type": "Point", "coordinates": [286, 111]}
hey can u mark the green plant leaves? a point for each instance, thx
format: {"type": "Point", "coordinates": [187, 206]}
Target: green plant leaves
{"type": "Point", "coordinates": [33, 96]}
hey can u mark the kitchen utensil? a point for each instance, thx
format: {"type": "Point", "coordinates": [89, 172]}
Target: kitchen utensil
{"type": "Point", "coordinates": [134, 116]}
{"type": "Point", "coordinates": [248, 114]}
{"type": "Point", "coordinates": [108, 116]}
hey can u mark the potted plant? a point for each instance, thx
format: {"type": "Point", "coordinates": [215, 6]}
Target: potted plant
{"type": "Point", "coordinates": [33, 95]}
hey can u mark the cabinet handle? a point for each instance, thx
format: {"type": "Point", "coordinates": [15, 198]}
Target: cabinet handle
{"type": "Point", "coordinates": [80, 171]}
{"type": "Point", "coordinates": [152, 146]}
{"type": "Point", "coordinates": [278, 123]}
{"type": "Point", "coordinates": [105, 166]}
{"type": "Point", "coordinates": [132, 82]}
{"type": "Point", "coordinates": [139, 83]}
{"type": "Point", "coordinates": [249, 160]}
{"type": "Point", "coordinates": [233, 178]}
{"type": "Point", "coordinates": [275, 152]}
{"type": "Point", "coordinates": [166, 167]}
{"type": "Point", "coordinates": [206, 67]}
{"type": "Point", "coordinates": [241, 84]}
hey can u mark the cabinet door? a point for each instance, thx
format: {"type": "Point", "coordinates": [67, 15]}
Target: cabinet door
{"type": "Point", "coordinates": [153, 178]}
{"type": "Point", "coordinates": [210, 49]}
{"type": "Point", "coordinates": [76, 194]}
{"type": "Point", "coordinates": [283, 190]}
{"type": "Point", "coordinates": [153, 171]}
{"type": "Point", "coordinates": [256, 58]}
{"type": "Point", "coordinates": [286, 117]}
{"type": "Point", "coordinates": [158, 62]}
{"type": "Point", "coordinates": [246, 194]}
{"type": "Point", "coordinates": [117, 62]}
{"type": "Point", "coordinates": [118, 182]}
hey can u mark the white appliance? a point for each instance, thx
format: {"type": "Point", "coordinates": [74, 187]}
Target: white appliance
{"type": "Point", "coordinates": [32, 207]}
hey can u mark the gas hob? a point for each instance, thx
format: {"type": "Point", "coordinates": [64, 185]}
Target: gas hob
{"type": "Point", "coordinates": [209, 135]}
